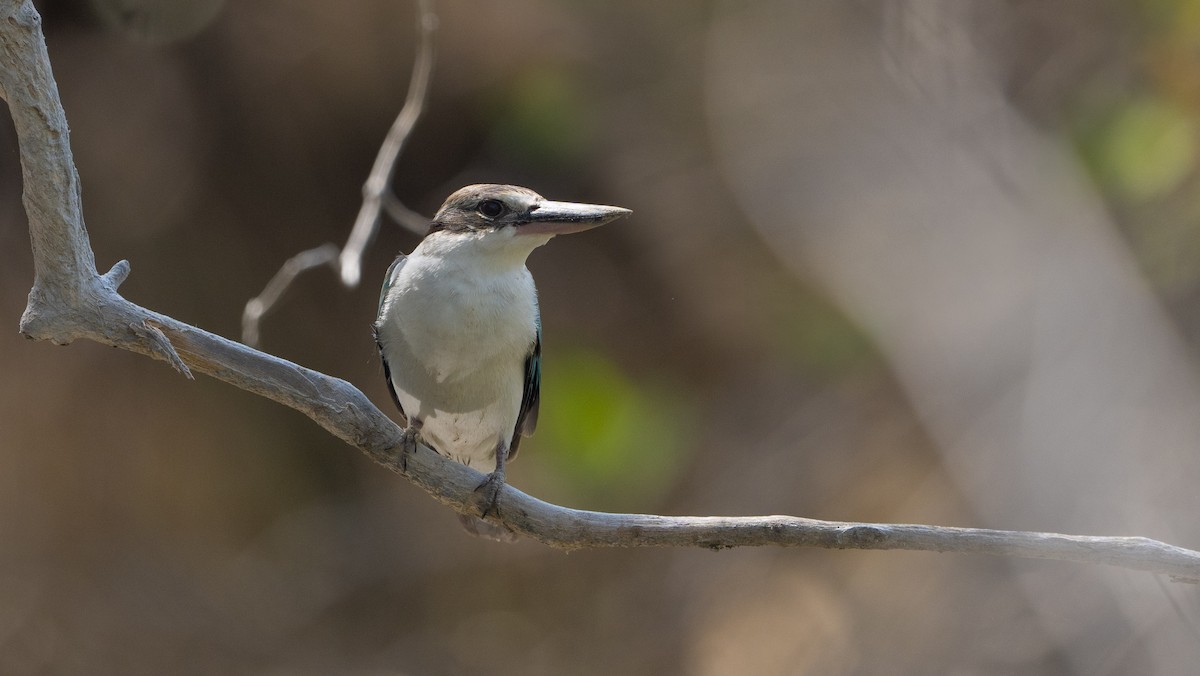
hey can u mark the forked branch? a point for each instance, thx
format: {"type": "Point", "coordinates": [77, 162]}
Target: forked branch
{"type": "Point", "coordinates": [377, 195]}
{"type": "Point", "coordinates": [69, 300]}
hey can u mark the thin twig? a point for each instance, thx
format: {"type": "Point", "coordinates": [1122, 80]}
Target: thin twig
{"type": "Point", "coordinates": [256, 307]}
{"type": "Point", "coordinates": [379, 183]}
{"type": "Point", "coordinates": [399, 212]}
{"type": "Point", "coordinates": [377, 194]}
{"type": "Point", "coordinates": [69, 300]}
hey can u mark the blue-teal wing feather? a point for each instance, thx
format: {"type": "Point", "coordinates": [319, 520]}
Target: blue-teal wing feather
{"type": "Point", "coordinates": [388, 280]}
{"type": "Point", "coordinates": [532, 396]}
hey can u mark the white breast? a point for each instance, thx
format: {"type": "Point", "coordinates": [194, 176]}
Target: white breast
{"type": "Point", "coordinates": [456, 326]}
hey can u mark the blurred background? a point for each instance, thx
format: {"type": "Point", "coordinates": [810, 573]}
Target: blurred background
{"type": "Point", "coordinates": [909, 260]}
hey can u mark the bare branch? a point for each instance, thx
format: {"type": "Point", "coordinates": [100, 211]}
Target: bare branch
{"type": "Point", "coordinates": [378, 185]}
{"type": "Point", "coordinates": [406, 217]}
{"type": "Point", "coordinates": [151, 334]}
{"type": "Point", "coordinates": [62, 252]}
{"type": "Point", "coordinates": [69, 300]}
{"type": "Point", "coordinates": [377, 194]}
{"type": "Point", "coordinates": [256, 307]}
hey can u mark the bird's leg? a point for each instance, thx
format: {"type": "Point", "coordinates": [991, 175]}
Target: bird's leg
{"type": "Point", "coordinates": [490, 488]}
{"type": "Point", "coordinates": [409, 438]}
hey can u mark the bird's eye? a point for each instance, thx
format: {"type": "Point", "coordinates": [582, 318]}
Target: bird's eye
{"type": "Point", "coordinates": [491, 208]}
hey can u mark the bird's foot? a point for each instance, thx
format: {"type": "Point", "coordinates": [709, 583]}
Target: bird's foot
{"type": "Point", "coordinates": [409, 438]}
{"type": "Point", "coordinates": [488, 494]}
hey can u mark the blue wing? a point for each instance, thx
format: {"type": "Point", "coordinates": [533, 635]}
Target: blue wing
{"type": "Point", "coordinates": [388, 280]}
{"type": "Point", "coordinates": [532, 396]}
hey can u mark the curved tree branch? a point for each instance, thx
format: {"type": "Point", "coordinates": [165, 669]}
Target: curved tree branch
{"type": "Point", "coordinates": [69, 300]}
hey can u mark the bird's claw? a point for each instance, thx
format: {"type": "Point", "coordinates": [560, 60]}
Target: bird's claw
{"type": "Point", "coordinates": [488, 494]}
{"type": "Point", "coordinates": [409, 438]}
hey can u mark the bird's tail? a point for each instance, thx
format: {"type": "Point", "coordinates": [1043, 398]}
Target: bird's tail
{"type": "Point", "coordinates": [484, 529]}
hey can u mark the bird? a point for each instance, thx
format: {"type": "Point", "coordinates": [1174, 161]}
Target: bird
{"type": "Point", "coordinates": [459, 329]}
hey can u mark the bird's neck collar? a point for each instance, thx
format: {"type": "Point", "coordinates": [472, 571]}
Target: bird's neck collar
{"type": "Point", "coordinates": [502, 249]}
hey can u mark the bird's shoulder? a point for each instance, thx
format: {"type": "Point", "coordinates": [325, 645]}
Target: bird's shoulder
{"type": "Point", "coordinates": [389, 279]}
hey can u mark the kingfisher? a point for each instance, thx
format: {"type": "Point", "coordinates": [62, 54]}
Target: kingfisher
{"type": "Point", "coordinates": [460, 332]}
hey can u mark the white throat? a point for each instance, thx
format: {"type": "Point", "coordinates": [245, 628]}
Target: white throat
{"type": "Point", "coordinates": [488, 251]}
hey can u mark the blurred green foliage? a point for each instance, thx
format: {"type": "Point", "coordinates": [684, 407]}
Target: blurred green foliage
{"type": "Point", "coordinates": [1173, 16]}
{"type": "Point", "coordinates": [1139, 136]}
{"type": "Point", "coordinates": [157, 22]}
{"type": "Point", "coordinates": [1143, 149]}
{"type": "Point", "coordinates": [541, 117]}
{"type": "Point", "coordinates": [816, 337]}
{"type": "Point", "coordinates": [614, 439]}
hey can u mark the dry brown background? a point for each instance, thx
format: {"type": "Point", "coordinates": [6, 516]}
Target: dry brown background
{"type": "Point", "coordinates": [901, 261]}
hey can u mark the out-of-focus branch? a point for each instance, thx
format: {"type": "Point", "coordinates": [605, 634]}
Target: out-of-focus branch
{"type": "Point", "coordinates": [377, 194]}
{"type": "Point", "coordinates": [377, 190]}
{"type": "Point", "coordinates": [256, 307]}
{"type": "Point", "coordinates": [70, 300]}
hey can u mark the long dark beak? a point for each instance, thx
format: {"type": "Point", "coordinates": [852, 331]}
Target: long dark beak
{"type": "Point", "coordinates": [562, 218]}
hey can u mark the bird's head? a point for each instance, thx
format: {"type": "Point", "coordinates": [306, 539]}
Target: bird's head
{"type": "Point", "coordinates": [509, 212]}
